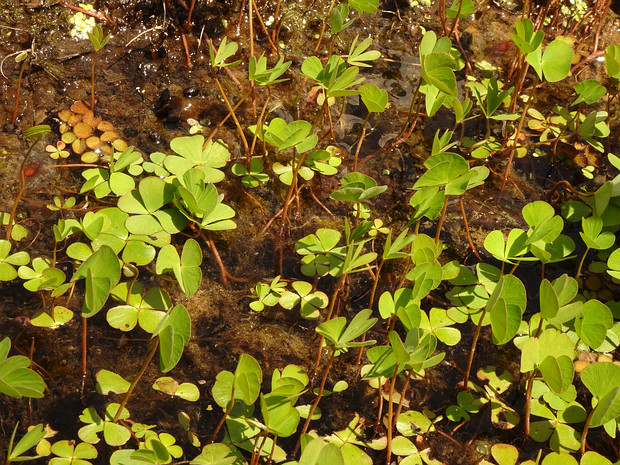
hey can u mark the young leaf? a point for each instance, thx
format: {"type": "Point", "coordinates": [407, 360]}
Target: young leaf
{"type": "Point", "coordinates": [462, 8]}
{"type": "Point", "coordinates": [338, 19]}
{"type": "Point", "coordinates": [375, 99]}
{"type": "Point", "coordinates": [16, 378]}
{"type": "Point", "coordinates": [223, 52]}
{"type": "Point", "coordinates": [29, 440]}
{"type": "Point", "coordinates": [524, 36]}
{"type": "Point", "coordinates": [186, 268]}
{"type": "Point", "coordinates": [174, 333]}
{"type": "Point", "coordinates": [101, 272]}
{"type": "Point", "coordinates": [358, 56]}
{"type": "Point", "coordinates": [365, 6]}
{"type": "Point", "coordinates": [557, 372]}
{"type": "Point", "coordinates": [589, 91]}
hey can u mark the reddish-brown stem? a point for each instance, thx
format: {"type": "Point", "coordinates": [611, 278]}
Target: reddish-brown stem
{"type": "Point", "coordinates": [234, 116]}
{"type": "Point", "coordinates": [223, 419]}
{"type": "Point", "coordinates": [189, 15]}
{"type": "Point", "coordinates": [84, 353]}
{"type": "Point", "coordinates": [317, 400]}
{"type": "Point", "coordinates": [360, 351]}
{"type": "Point", "coordinates": [145, 365]}
{"type": "Point", "coordinates": [528, 403]}
{"type": "Point", "coordinates": [188, 58]}
{"type": "Point", "coordinates": [405, 132]}
{"type": "Point", "coordinates": [92, 82]}
{"type": "Point", "coordinates": [471, 243]}
{"type": "Point", "coordinates": [512, 150]}
{"type": "Point", "coordinates": [18, 91]}
{"type": "Point", "coordinates": [584, 435]}
{"type": "Point", "coordinates": [93, 13]}
{"type": "Point", "coordinates": [441, 218]}
{"type": "Point", "coordinates": [402, 395]}
{"type": "Point", "coordinates": [318, 42]}
{"type": "Point", "coordinates": [470, 360]}
{"type": "Point", "coordinates": [209, 240]}
{"type": "Point", "coordinates": [330, 312]}
{"type": "Point", "coordinates": [390, 425]}
{"type": "Point", "coordinates": [22, 185]}
{"type": "Point", "coordinates": [262, 23]}
{"type": "Point", "coordinates": [274, 36]}
{"type": "Point", "coordinates": [359, 144]}
{"type": "Point", "coordinates": [215, 130]}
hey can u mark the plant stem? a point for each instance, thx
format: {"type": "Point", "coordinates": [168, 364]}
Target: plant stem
{"type": "Point", "coordinates": [472, 350]}
{"type": "Point", "coordinates": [234, 116]}
{"type": "Point", "coordinates": [206, 236]}
{"type": "Point", "coordinates": [390, 416]}
{"type": "Point", "coordinates": [256, 453]}
{"type": "Point", "coordinates": [441, 218]}
{"type": "Point", "coordinates": [145, 365]}
{"type": "Point", "coordinates": [360, 351]}
{"type": "Point", "coordinates": [92, 83]}
{"type": "Point", "coordinates": [584, 435]}
{"type": "Point", "coordinates": [359, 144]}
{"type": "Point", "coordinates": [84, 346]}
{"type": "Point", "coordinates": [329, 12]}
{"type": "Point", "coordinates": [528, 403]}
{"type": "Point", "coordinates": [330, 311]}
{"type": "Point", "coordinates": [18, 91]}
{"type": "Point", "coordinates": [471, 243]}
{"type": "Point", "coordinates": [316, 401]}
{"type": "Point", "coordinates": [223, 419]}
{"type": "Point", "coordinates": [583, 258]}
{"type": "Point", "coordinates": [402, 394]}
{"type": "Point", "coordinates": [18, 197]}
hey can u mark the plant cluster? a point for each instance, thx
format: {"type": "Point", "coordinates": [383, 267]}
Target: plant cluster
{"type": "Point", "coordinates": [155, 216]}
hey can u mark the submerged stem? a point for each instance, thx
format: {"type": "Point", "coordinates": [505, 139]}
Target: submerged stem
{"type": "Point", "coordinates": [316, 401]}
{"type": "Point", "coordinates": [147, 360]}
{"type": "Point", "coordinates": [470, 360]}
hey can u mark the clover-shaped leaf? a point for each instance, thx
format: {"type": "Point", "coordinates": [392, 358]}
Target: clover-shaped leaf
{"type": "Point", "coordinates": [593, 234]}
{"type": "Point", "coordinates": [146, 206]}
{"type": "Point", "coordinates": [310, 302]}
{"type": "Point", "coordinates": [147, 310]}
{"type": "Point", "coordinates": [69, 453]}
{"type": "Point", "coordinates": [285, 136]}
{"type": "Point", "coordinates": [251, 178]}
{"type": "Point", "coordinates": [193, 152]}
{"type": "Point", "coordinates": [8, 261]}
{"type": "Point", "coordinates": [374, 98]}
{"type": "Point", "coordinates": [186, 268]}
{"type": "Point", "coordinates": [113, 433]}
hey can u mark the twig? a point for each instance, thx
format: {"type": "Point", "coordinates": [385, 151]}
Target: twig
{"type": "Point", "coordinates": [93, 13]}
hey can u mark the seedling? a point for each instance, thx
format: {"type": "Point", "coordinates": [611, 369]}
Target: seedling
{"type": "Point", "coordinates": [28, 441]}
{"type": "Point", "coordinates": [17, 379]}
{"type": "Point", "coordinates": [254, 176]}
{"type": "Point", "coordinates": [98, 40]}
